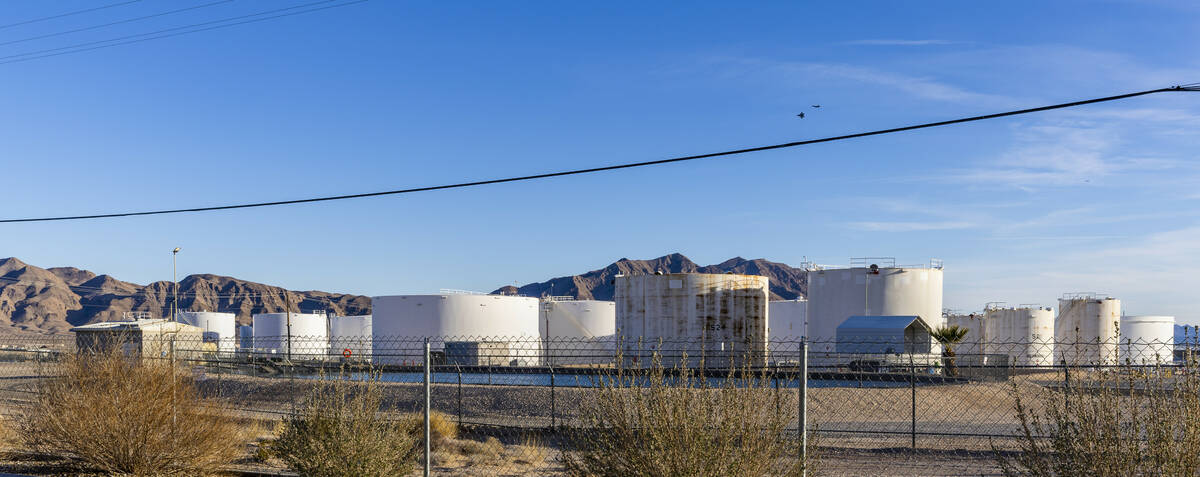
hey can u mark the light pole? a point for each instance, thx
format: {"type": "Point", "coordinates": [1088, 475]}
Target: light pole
{"type": "Point", "coordinates": [175, 286]}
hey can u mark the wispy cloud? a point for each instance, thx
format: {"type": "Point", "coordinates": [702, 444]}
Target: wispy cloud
{"type": "Point", "coordinates": [895, 42]}
{"type": "Point", "coordinates": [912, 226]}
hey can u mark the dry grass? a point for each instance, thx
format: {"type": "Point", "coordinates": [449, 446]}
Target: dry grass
{"type": "Point", "coordinates": [119, 415]}
{"type": "Point", "coordinates": [1115, 422]}
{"type": "Point", "coordinates": [441, 425]}
{"type": "Point", "coordinates": [683, 427]}
{"type": "Point", "coordinates": [340, 431]}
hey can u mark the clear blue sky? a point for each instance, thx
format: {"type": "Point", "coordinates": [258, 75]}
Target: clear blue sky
{"type": "Point", "coordinates": [389, 94]}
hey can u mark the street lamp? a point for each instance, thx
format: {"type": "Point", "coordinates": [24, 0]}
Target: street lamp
{"type": "Point", "coordinates": [175, 287]}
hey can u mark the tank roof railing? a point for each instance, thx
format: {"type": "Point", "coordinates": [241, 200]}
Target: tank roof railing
{"type": "Point", "coordinates": [995, 305]}
{"type": "Point", "coordinates": [1082, 296]}
{"type": "Point", "coordinates": [883, 262]}
{"type": "Point", "coordinates": [451, 291]}
{"type": "Point", "coordinates": [561, 298]}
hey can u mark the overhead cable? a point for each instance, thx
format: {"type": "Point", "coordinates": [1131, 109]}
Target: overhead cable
{"type": "Point", "coordinates": [629, 165]}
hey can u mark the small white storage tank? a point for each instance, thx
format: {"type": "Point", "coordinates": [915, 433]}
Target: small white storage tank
{"type": "Point", "coordinates": [219, 328]}
{"type": "Point", "coordinates": [870, 287]}
{"type": "Point", "coordinates": [578, 331]}
{"type": "Point", "coordinates": [350, 335]}
{"type": "Point", "coordinates": [1147, 339]}
{"type": "Point", "coordinates": [972, 348]}
{"type": "Point", "coordinates": [708, 316]}
{"type": "Point", "coordinates": [1085, 331]}
{"type": "Point", "coordinates": [400, 322]}
{"type": "Point", "coordinates": [245, 337]}
{"type": "Point", "coordinates": [1024, 333]}
{"type": "Point", "coordinates": [309, 337]}
{"type": "Point", "coordinates": [785, 328]}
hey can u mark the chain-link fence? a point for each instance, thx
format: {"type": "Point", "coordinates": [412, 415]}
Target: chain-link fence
{"type": "Point", "coordinates": [526, 406]}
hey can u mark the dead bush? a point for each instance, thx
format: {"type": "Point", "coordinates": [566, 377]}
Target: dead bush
{"type": "Point", "coordinates": [441, 425]}
{"type": "Point", "coordinates": [120, 415]}
{"type": "Point", "coordinates": [339, 430]}
{"type": "Point", "coordinates": [679, 424]}
{"type": "Point", "coordinates": [1128, 420]}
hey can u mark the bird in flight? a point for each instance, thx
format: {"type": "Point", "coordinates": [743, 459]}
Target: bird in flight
{"type": "Point", "coordinates": [816, 106]}
{"type": "Point", "coordinates": [801, 115]}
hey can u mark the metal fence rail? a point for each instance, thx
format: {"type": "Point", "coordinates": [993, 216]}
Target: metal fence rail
{"type": "Point", "coordinates": [518, 402]}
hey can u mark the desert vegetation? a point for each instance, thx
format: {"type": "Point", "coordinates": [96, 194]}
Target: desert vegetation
{"type": "Point", "coordinates": [107, 412]}
{"type": "Point", "coordinates": [677, 424]}
{"type": "Point", "coordinates": [1113, 421]}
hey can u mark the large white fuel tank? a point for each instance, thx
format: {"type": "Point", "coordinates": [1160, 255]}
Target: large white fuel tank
{"type": "Point", "coordinates": [350, 337]}
{"type": "Point", "coordinates": [1147, 339]}
{"type": "Point", "coordinates": [219, 328]}
{"type": "Point", "coordinates": [1085, 331]}
{"type": "Point", "coordinates": [307, 337]}
{"type": "Point", "coordinates": [578, 331]}
{"type": "Point", "coordinates": [400, 322]}
{"type": "Point", "coordinates": [1024, 333]}
{"type": "Point", "coordinates": [870, 288]}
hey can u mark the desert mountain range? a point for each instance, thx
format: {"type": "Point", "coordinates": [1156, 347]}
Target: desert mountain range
{"type": "Point", "coordinates": [53, 300]}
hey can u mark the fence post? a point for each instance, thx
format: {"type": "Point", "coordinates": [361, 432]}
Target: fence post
{"type": "Point", "coordinates": [427, 439]}
{"type": "Point", "coordinates": [553, 409]}
{"type": "Point", "coordinates": [459, 395]}
{"type": "Point", "coordinates": [1066, 383]}
{"type": "Point", "coordinates": [912, 385]}
{"type": "Point", "coordinates": [802, 426]}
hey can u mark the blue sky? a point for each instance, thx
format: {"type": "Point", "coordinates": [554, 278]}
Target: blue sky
{"type": "Point", "coordinates": [387, 94]}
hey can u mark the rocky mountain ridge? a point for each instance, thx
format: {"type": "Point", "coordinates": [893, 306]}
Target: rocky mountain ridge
{"type": "Point", "coordinates": [786, 282]}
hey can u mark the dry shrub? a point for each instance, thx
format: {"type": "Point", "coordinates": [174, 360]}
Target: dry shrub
{"type": "Point", "coordinates": [489, 452]}
{"type": "Point", "coordinates": [1129, 420]}
{"type": "Point", "coordinates": [338, 430]}
{"type": "Point", "coordinates": [441, 425]}
{"type": "Point", "coordinates": [121, 415]}
{"type": "Point", "coordinates": [531, 451]}
{"type": "Point", "coordinates": [683, 426]}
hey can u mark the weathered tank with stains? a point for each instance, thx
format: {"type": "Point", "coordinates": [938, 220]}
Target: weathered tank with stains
{"type": "Point", "coordinates": [714, 319]}
{"type": "Point", "coordinates": [1085, 331]}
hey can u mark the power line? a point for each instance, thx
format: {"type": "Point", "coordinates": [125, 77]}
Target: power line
{"type": "Point", "coordinates": [128, 20]}
{"type": "Point", "coordinates": [77, 12]}
{"type": "Point", "coordinates": [82, 47]}
{"type": "Point", "coordinates": [1188, 87]}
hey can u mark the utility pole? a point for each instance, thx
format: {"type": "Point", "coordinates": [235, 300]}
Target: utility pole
{"type": "Point", "coordinates": [174, 287]}
{"type": "Point", "coordinates": [287, 310]}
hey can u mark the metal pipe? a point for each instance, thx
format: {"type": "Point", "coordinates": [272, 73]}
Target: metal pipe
{"type": "Point", "coordinates": [427, 402]}
{"type": "Point", "coordinates": [802, 426]}
{"type": "Point", "coordinates": [553, 409]}
{"type": "Point", "coordinates": [912, 384]}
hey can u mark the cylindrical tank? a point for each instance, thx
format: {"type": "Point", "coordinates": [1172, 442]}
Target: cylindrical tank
{"type": "Point", "coordinates": [1085, 331]}
{"type": "Point", "coordinates": [219, 328]}
{"type": "Point", "coordinates": [401, 321]}
{"type": "Point", "coordinates": [972, 349]}
{"type": "Point", "coordinates": [578, 331]}
{"type": "Point", "coordinates": [785, 328]}
{"type": "Point", "coordinates": [309, 337]}
{"type": "Point", "coordinates": [1147, 339]}
{"type": "Point", "coordinates": [245, 337]}
{"type": "Point", "coordinates": [350, 335]}
{"type": "Point", "coordinates": [1025, 334]}
{"type": "Point", "coordinates": [885, 290]}
{"type": "Point", "coordinates": [709, 316]}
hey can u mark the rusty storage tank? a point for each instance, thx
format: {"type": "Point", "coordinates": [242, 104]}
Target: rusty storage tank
{"type": "Point", "coordinates": [1024, 333]}
{"type": "Point", "coordinates": [1085, 331]}
{"type": "Point", "coordinates": [873, 286]}
{"type": "Point", "coordinates": [1147, 339]}
{"type": "Point", "coordinates": [710, 317]}
{"type": "Point", "coordinates": [578, 331]}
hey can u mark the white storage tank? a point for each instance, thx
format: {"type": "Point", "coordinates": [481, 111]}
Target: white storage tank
{"type": "Point", "coordinates": [400, 322]}
{"type": "Point", "coordinates": [785, 329]}
{"type": "Point", "coordinates": [870, 287]}
{"type": "Point", "coordinates": [1147, 339]}
{"type": "Point", "coordinates": [709, 316]}
{"type": "Point", "coordinates": [1085, 331]}
{"type": "Point", "coordinates": [578, 331]}
{"type": "Point", "coordinates": [350, 337]}
{"type": "Point", "coordinates": [972, 348]}
{"type": "Point", "coordinates": [1024, 333]}
{"type": "Point", "coordinates": [309, 337]}
{"type": "Point", "coordinates": [245, 337]}
{"type": "Point", "coordinates": [219, 328]}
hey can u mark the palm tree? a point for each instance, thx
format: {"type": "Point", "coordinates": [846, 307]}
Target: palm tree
{"type": "Point", "coordinates": [949, 336]}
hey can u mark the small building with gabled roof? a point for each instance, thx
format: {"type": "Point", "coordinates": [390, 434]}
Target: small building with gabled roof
{"type": "Point", "coordinates": [149, 339]}
{"type": "Point", "coordinates": [884, 335]}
